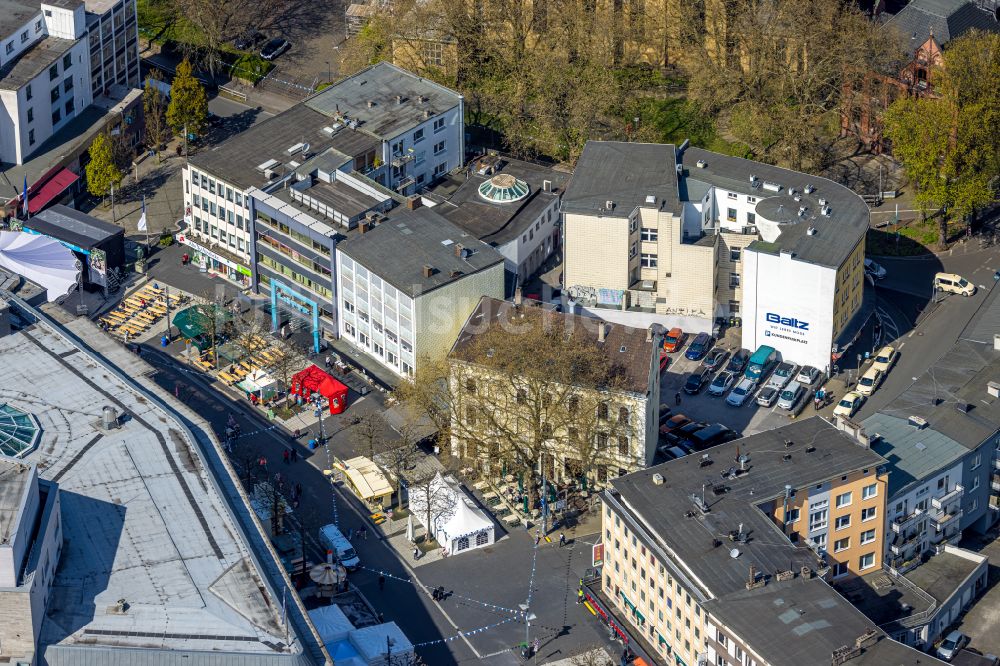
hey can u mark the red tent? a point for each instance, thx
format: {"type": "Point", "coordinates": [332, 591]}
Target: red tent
{"type": "Point", "coordinates": [314, 380]}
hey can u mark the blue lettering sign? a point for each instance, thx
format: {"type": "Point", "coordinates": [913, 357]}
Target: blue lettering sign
{"type": "Point", "coordinates": [791, 322]}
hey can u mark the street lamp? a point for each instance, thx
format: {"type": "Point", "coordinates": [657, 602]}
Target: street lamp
{"type": "Point", "coordinates": [528, 617]}
{"type": "Point", "coordinates": [317, 400]}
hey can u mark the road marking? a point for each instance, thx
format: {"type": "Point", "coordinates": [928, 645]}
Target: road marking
{"type": "Point", "coordinates": [912, 333]}
{"type": "Point", "coordinates": [590, 608]}
{"type": "Point", "coordinates": [902, 345]}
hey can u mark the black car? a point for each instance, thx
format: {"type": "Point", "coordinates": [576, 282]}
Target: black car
{"type": "Point", "coordinates": [665, 412]}
{"type": "Point", "coordinates": [274, 48]}
{"type": "Point", "coordinates": [696, 380]}
{"type": "Point", "coordinates": [738, 362]}
{"type": "Point", "coordinates": [710, 436]}
{"type": "Point", "coordinates": [248, 40]}
{"type": "Point", "coordinates": [715, 358]}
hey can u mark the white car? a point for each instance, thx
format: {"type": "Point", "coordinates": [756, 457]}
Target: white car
{"type": "Point", "coordinates": [870, 381]}
{"type": "Point", "coordinates": [782, 375]}
{"type": "Point", "coordinates": [807, 375]}
{"type": "Point", "coordinates": [741, 392]}
{"type": "Point", "coordinates": [721, 383]}
{"type": "Point", "coordinates": [875, 270]}
{"type": "Point", "coordinates": [885, 358]}
{"type": "Point", "coordinates": [848, 405]}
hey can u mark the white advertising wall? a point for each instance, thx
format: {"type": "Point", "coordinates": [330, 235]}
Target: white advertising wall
{"type": "Point", "coordinates": [788, 305]}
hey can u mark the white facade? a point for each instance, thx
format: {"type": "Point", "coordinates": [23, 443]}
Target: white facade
{"type": "Point", "coordinates": [924, 515]}
{"type": "Point", "coordinates": [217, 213]}
{"type": "Point", "coordinates": [414, 158]}
{"type": "Point", "coordinates": [525, 254]}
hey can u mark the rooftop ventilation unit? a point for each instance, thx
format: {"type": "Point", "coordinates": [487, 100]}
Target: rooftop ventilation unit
{"type": "Point", "coordinates": [917, 422]}
{"type": "Point", "coordinates": [809, 189]}
{"type": "Point", "coordinates": [701, 164]}
{"type": "Point", "coordinates": [771, 186]}
{"type": "Point", "coordinates": [811, 231]}
{"type": "Point", "coordinates": [798, 197]}
{"type": "Point", "coordinates": [802, 211]}
{"type": "Point", "coordinates": [651, 199]}
{"type": "Point", "coordinates": [297, 148]}
{"type": "Point", "coordinates": [658, 479]}
{"type": "Point", "coordinates": [993, 388]}
{"type": "Point", "coordinates": [791, 191]}
{"type": "Point", "coordinates": [266, 166]}
{"type": "Point", "coordinates": [963, 407]}
{"type": "Point", "coordinates": [826, 211]}
{"type": "Point", "coordinates": [753, 178]}
{"type": "Point", "coordinates": [822, 201]}
{"type": "Point", "coordinates": [609, 205]}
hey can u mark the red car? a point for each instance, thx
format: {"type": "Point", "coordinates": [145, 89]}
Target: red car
{"type": "Point", "coordinates": [664, 361]}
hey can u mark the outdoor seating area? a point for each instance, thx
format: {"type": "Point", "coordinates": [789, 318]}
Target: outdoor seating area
{"type": "Point", "coordinates": [263, 357]}
{"type": "Point", "coordinates": [139, 312]}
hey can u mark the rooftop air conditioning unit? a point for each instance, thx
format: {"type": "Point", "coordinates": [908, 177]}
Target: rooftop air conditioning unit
{"type": "Point", "coordinates": [772, 186]}
{"type": "Point", "coordinates": [822, 201]}
{"type": "Point", "coordinates": [753, 178]}
{"type": "Point", "coordinates": [993, 388]}
{"type": "Point", "coordinates": [658, 479]}
{"type": "Point", "coordinates": [826, 211]}
{"type": "Point", "coordinates": [269, 174]}
{"type": "Point", "coordinates": [811, 231]}
{"type": "Point", "coordinates": [648, 284]}
{"type": "Point", "coordinates": [917, 422]}
{"type": "Point", "coordinates": [701, 164]}
{"type": "Point", "coordinates": [609, 205]}
{"type": "Point", "coordinates": [809, 189]}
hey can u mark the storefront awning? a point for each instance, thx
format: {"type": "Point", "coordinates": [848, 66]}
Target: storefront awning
{"type": "Point", "coordinates": [52, 188]}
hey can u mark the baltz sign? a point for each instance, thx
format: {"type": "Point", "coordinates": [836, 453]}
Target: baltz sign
{"type": "Point", "coordinates": [791, 322]}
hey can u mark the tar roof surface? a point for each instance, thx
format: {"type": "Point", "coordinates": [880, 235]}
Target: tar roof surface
{"type": "Point", "coordinates": [625, 173]}
{"type": "Point", "coordinates": [836, 236]}
{"type": "Point", "coordinates": [398, 249]}
{"type": "Point", "coordinates": [14, 478]}
{"type": "Point", "coordinates": [792, 623]}
{"type": "Point", "coordinates": [73, 226]}
{"type": "Point", "coordinates": [884, 598]}
{"type": "Point", "coordinates": [948, 19]}
{"type": "Point", "coordinates": [636, 359]}
{"type": "Point", "coordinates": [665, 507]}
{"type": "Point", "coordinates": [941, 575]}
{"type": "Point", "coordinates": [497, 223]}
{"type": "Point", "coordinates": [33, 61]}
{"type": "Point", "coordinates": [236, 159]}
{"type": "Point", "coordinates": [15, 13]}
{"type": "Point", "coordinates": [912, 453]}
{"type": "Point", "coordinates": [142, 520]}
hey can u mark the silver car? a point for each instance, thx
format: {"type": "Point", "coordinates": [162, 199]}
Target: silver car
{"type": "Point", "coordinates": [767, 396]}
{"type": "Point", "coordinates": [741, 392]}
{"type": "Point", "coordinates": [782, 375]}
{"type": "Point", "coordinates": [790, 396]}
{"type": "Point", "coordinates": [721, 383]}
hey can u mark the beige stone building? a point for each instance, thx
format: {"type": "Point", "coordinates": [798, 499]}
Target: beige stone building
{"type": "Point", "coordinates": [580, 433]}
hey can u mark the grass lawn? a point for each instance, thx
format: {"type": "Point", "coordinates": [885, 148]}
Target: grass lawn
{"type": "Point", "coordinates": [675, 119]}
{"type": "Point", "coordinates": [911, 240]}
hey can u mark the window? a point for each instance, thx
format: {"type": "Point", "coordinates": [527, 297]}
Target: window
{"type": "Point", "coordinates": [731, 214]}
{"type": "Point", "coordinates": [418, 136]}
{"type": "Point", "coordinates": [731, 195]}
{"type": "Point", "coordinates": [211, 208]}
{"type": "Point", "coordinates": [27, 91]}
{"type": "Point", "coordinates": [67, 84]}
{"type": "Point", "coordinates": [24, 36]}
{"type": "Point", "coordinates": [53, 72]}
{"type": "Point", "coordinates": [439, 147]}
{"type": "Point", "coordinates": [623, 415]}
{"type": "Point", "coordinates": [55, 94]}
{"type": "Point", "coordinates": [843, 522]}
{"type": "Point", "coordinates": [438, 124]}
{"type": "Point", "coordinates": [867, 536]}
{"type": "Point", "coordinates": [67, 61]}
{"type": "Point", "coordinates": [440, 168]}
{"type": "Point", "coordinates": [975, 483]}
{"type": "Point", "coordinates": [869, 492]}
{"type": "Point", "coordinates": [866, 561]}
{"type": "Point", "coordinates": [734, 307]}
{"type": "Point", "coordinates": [38, 25]}
{"type": "Point", "coordinates": [844, 499]}
{"type": "Point", "coordinates": [648, 260]}
{"type": "Point", "coordinates": [841, 544]}
{"type": "Point", "coordinates": [867, 514]}
{"type": "Point", "coordinates": [818, 520]}
{"type": "Point", "coordinates": [751, 219]}
{"type": "Point", "coordinates": [623, 446]}
{"type": "Point", "coordinates": [734, 254]}
{"type": "Point", "coordinates": [977, 461]}
{"type": "Point", "coordinates": [792, 516]}
{"type": "Point", "coordinates": [602, 411]}
{"type": "Point", "coordinates": [56, 116]}
{"type": "Point", "coordinates": [649, 234]}
{"type": "Point", "coordinates": [31, 137]}
{"type": "Point", "coordinates": [10, 48]}
{"type": "Point", "coordinates": [751, 199]}
{"type": "Point", "coordinates": [633, 250]}
{"type": "Point", "coordinates": [68, 108]}
{"type": "Point", "coordinates": [839, 569]}
{"type": "Point", "coordinates": [229, 194]}
{"type": "Point", "coordinates": [734, 279]}
{"type": "Point", "coordinates": [31, 115]}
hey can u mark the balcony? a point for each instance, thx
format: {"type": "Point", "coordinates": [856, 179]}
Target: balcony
{"type": "Point", "coordinates": [944, 519]}
{"type": "Point", "coordinates": [900, 524]}
{"type": "Point", "coordinates": [902, 544]}
{"type": "Point", "coordinates": [400, 159]}
{"type": "Point", "coordinates": [944, 502]}
{"type": "Point", "coordinates": [996, 463]}
{"type": "Point", "coordinates": [995, 482]}
{"type": "Point", "coordinates": [405, 183]}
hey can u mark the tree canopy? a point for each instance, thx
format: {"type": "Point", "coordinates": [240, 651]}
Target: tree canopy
{"type": "Point", "coordinates": [188, 108]}
{"type": "Point", "coordinates": [102, 172]}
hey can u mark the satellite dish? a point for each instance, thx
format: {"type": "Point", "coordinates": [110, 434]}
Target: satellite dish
{"type": "Point", "coordinates": [734, 553]}
{"type": "Point", "coordinates": [305, 148]}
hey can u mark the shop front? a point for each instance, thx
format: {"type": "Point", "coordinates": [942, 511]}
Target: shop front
{"type": "Point", "coordinates": [217, 260]}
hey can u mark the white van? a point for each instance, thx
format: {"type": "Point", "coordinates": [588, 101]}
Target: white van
{"type": "Point", "coordinates": [333, 539]}
{"type": "Point", "coordinates": [955, 284]}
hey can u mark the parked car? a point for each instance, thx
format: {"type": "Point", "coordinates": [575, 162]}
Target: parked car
{"type": "Point", "coordinates": [875, 270]}
{"type": "Point", "coordinates": [767, 396]}
{"type": "Point", "coordinates": [674, 340]}
{"type": "Point", "coordinates": [870, 381]}
{"type": "Point", "coordinates": [700, 346]}
{"type": "Point", "coordinates": [885, 358]}
{"type": "Point", "coordinates": [696, 380]}
{"type": "Point", "coordinates": [848, 405]}
{"type": "Point", "coordinates": [782, 375]}
{"type": "Point", "coordinates": [715, 358]}
{"type": "Point", "coordinates": [722, 383]}
{"type": "Point", "coordinates": [665, 412]}
{"type": "Point", "coordinates": [712, 435]}
{"type": "Point", "coordinates": [791, 395]}
{"type": "Point", "coordinates": [951, 644]}
{"type": "Point", "coordinates": [664, 361]}
{"type": "Point", "coordinates": [807, 375]}
{"type": "Point", "coordinates": [331, 538]}
{"type": "Point", "coordinates": [275, 48]}
{"type": "Point", "coordinates": [740, 392]}
{"type": "Point", "coordinates": [954, 284]}
{"type": "Point", "coordinates": [673, 423]}
{"type": "Point", "coordinates": [761, 363]}
{"type": "Point", "coordinates": [738, 361]}
{"type": "Point", "coordinates": [249, 40]}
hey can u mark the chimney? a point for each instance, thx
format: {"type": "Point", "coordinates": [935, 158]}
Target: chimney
{"type": "Point", "coordinates": [649, 333]}
{"type": "Point", "coordinates": [428, 270]}
{"type": "Point", "coordinates": [363, 227]}
{"type": "Point", "coordinates": [458, 249]}
{"type": "Point", "coordinates": [546, 185]}
{"type": "Point", "coordinates": [399, 99]}
{"type": "Point", "coordinates": [518, 296]}
{"type": "Point", "coordinates": [602, 331]}
{"type": "Point", "coordinates": [414, 203]}
{"type": "Point", "coordinates": [371, 104]}
{"type": "Point", "coordinates": [427, 114]}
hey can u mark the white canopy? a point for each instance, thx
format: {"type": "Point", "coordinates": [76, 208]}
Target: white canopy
{"type": "Point", "coordinates": [373, 642]}
{"type": "Point", "coordinates": [331, 623]}
{"type": "Point", "coordinates": [42, 260]}
{"type": "Point", "coordinates": [457, 523]}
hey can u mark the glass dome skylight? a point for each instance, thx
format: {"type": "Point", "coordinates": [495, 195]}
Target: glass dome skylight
{"type": "Point", "coordinates": [19, 432]}
{"type": "Point", "coordinates": [504, 188]}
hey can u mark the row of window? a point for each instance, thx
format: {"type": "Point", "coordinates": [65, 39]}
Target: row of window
{"type": "Point", "coordinates": [383, 354]}
{"type": "Point", "coordinates": [203, 226]}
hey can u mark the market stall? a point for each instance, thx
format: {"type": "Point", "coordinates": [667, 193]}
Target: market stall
{"type": "Point", "coordinates": [260, 383]}
{"type": "Point", "coordinates": [456, 522]}
{"type": "Point", "coordinates": [314, 380]}
{"type": "Point", "coordinates": [367, 481]}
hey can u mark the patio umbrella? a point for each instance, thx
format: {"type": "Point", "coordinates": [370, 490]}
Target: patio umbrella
{"type": "Point", "coordinates": [409, 529]}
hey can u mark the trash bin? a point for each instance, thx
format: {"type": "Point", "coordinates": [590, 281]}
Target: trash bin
{"type": "Point", "coordinates": [312, 444]}
{"type": "Point", "coordinates": [164, 341]}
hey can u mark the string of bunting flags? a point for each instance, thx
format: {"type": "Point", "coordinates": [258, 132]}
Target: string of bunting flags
{"type": "Point", "coordinates": [429, 591]}
{"type": "Point", "coordinates": [460, 634]}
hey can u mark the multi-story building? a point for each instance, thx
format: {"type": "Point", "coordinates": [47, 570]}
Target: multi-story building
{"type": "Point", "coordinates": [52, 65]}
{"type": "Point", "coordinates": [397, 129]}
{"type": "Point", "coordinates": [724, 558]}
{"type": "Point", "coordinates": [509, 204]}
{"type": "Point", "coordinates": [684, 235]}
{"type": "Point", "coordinates": [586, 425]}
{"type": "Point", "coordinates": [407, 284]}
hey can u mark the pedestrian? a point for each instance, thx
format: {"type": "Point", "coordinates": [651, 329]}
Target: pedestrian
{"type": "Point", "coordinates": [298, 490]}
{"type": "Point", "coordinates": [350, 534]}
{"type": "Point", "coordinates": [295, 455]}
{"type": "Point", "coordinates": [277, 478]}
{"type": "Point", "coordinates": [295, 503]}
{"type": "Point", "coordinates": [562, 539]}
{"type": "Point", "coordinates": [263, 463]}
{"type": "Point", "coordinates": [538, 537]}
{"type": "Point", "coordinates": [381, 582]}
{"type": "Point", "coordinates": [329, 361]}
{"type": "Point", "coordinates": [677, 398]}
{"type": "Point", "coordinates": [286, 456]}
{"type": "Point", "coordinates": [416, 553]}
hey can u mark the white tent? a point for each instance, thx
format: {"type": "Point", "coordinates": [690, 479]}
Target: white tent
{"type": "Point", "coordinates": [260, 383]}
{"type": "Point", "coordinates": [331, 623]}
{"type": "Point", "coordinates": [382, 644]}
{"type": "Point", "coordinates": [42, 260]}
{"type": "Point", "coordinates": [456, 522]}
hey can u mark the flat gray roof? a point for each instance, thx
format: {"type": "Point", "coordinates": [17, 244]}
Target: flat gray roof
{"type": "Point", "coordinates": [913, 453]}
{"type": "Point", "coordinates": [71, 225]}
{"type": "Point", "coordinates": [236, 159]}
{"type": "Point", "coordinates": [836, 235]}
{"type": "Point", "coordinates": [142, 521]}
{"type": "Point", "coordinates": [625, 173]}
{"type": "Point", "coordinates": [665, 508]}
{"type": "Point", "coordinates": [884, 598]}
{"type": "Point", "coordinates": [942, 575]}
{"type": "Point", "coordinates": [370, 97]}
{"type": "Point", "coordinates": [398, 249]}
{"type": "Point", "coordinates": [33, 61]}
{"type": "Point", "coordinates": [14, 477]}
{"type": "Point", "coordinates": [14, 14]}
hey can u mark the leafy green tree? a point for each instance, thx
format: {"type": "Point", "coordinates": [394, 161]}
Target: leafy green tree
{"type": "Point", "coordinates": [154, 104]}
{"type": "Point", "coordinates": [102, 172]}
{"type": "Point", "coordinates": [948, 142]}
{"type": "Point", "coordinates": [188, 106]}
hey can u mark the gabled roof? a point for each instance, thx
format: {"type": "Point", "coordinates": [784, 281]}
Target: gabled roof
{"type": "Point", "coordinates": [946, 19]}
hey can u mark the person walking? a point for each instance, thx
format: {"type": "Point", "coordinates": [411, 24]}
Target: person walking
{"type": "Point", "coordinates": [538, 537]}
{"type": "Point", "coordinates": [381, 582]}
{"type": "Point", "coordinates": [416, 553]}
{"type": "Point", "coordinates": [677, 398]}
{"type": "Point", "coordinates": [262, 463]}
{"type": "Point", "coordinates": [562, 539]}
{"type": "Point", "coordinates": [298, 490]}
{"type": "Point", "coordinates": [286, 456]}
{"type": "Point", "coordinates": [295, 455]}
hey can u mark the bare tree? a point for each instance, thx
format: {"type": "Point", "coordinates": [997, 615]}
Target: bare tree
{"type": "Point", "coordinates": [251, 331]}
{"type": "Point", "coordinates": [288, 360]}
{"type": "Point", "coordinates": [398, 456]}
{"type": "Point", "coordinates": [594, 656]}
{"type": "Point", "coordinates": [368, 433]}
{"type": "Point", "coordinates": [209, 314]}
{"type": "Point", "coordinates": [435, 501]}
{"type": "Point", "coordinates": [154, 104]}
